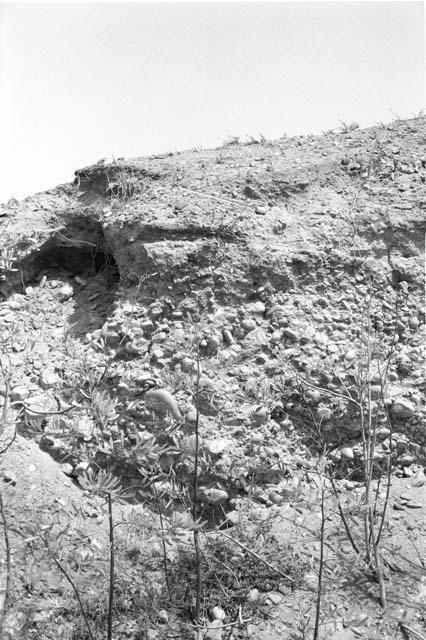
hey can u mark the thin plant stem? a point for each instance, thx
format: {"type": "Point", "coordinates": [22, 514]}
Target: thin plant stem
{"type": "Point", "coordinates": [378, 564]}
{"type": "Point", "coordinates": [8, 565]}
{"type": "Point", "coordinates": [195, 504]}
{"type": "Point", "coordinates": [74, 588]}
{"type": "Point", "coordinates": [321, 568]}
{"type": "Point", "coordinates": [385, 506]}
{"type": "Point", "coordinates": [163, 544]}
{"type": "Point", "coordinates": [111, 567]}
{"type": "Point", "coordinates": [342, 515]}
{"type": "Point", "coordinates": [389, 422]}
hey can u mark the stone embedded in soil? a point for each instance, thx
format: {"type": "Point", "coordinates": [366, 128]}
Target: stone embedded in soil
{"type": "Point", "coordinates": [253, 595]}
{"type": "Point", "coordinates": [350, 355]}
{"type": "Point", "coordinates": [310, 581]}
{"type": "Point", "coordinates": [347, 452]}
{"type": "Point", "coordinates": [406, 460]}
{"type": "Point", "coordinates": [217, 613]}
{"type": "Point", "coordinates": [228, 337]}
{"type": "Point", "coordinates": [250, 192]}
{"type": "Point", "coordinates": [214, 630]}
{"type": "Point", "coordinates": [19, 393]}
{"type": "Point", "coordinates": [218, 445]}
{"type": "Point", "coordinates": [188, 364]}
{"type": "Point", "coordinates": [16, 304]}
{"type": "Point", "coordinates": [9, 477]}
{"type": "Point", "coordinates": [260, 416]}
{"type": "Point", "coordinates": [275, 497]}
{"type": "Point", "coordinates": [67, 468]}
{"type": "Point", "coordinates": [48, 379]}
{"type": "Point", "coordinates": [403, 408]}
{"type": "Point", "coordinates": [215, 496]}
{"type": "Point", "coordinates": [85, 427]}
{"type": "Point", "coordinates": [81, 468]}
{"type": "Point", "coordinates": [233, 518]}
{"type": "Point", "coordinates": [64, 293]}
{"type": "Point", "coordinates": [273, 597]}
{"type": "Point", "coordinates": [412, 504]}
{"type": "Point", "coordinates": [248, 324]}
{"type": "Point", "coordinates": [324, 413]}
{"type": "Point", "coordinates": [290, 334]}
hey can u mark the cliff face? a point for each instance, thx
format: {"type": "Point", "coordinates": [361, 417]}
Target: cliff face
{"type": "Point", "coordinates": [287, 262]}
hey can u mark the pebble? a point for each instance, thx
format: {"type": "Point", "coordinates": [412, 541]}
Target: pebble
{"type": "Point", "coordinates": [406, 460]}
{"type": "Point", "coordinates": [403, 408]}
{"type": "Point", "coordinates": [157, 353]}
{"type": "Point", "coordinates": [227, 336]}
{"type": "Point", "coordinates": [188, 364]}
{"type": "Point", "coordinates": [290, 334]}
{"type": "Point", "coordinates": [257, 308]}
{"type": "Point", "coordinates": [350, 355]}
{"type": "Point", "coordinates": [64, 293]}
{"type": "Point", "coordinates": [332, 347]}
{"type": "Point", "coordinates": [214, 631]}
{"type": "Point", "coordinates": [323, 413]}
{"type": "Point", "coordinates": [273, 597]}
{"type": "Point", "coordinates": [233, 518]}
{"type": "Point", "coordinates": [310, 581]}
{"type": "Point", "coordinates": [191, 416]}
{"type": "Point", "coordinates": [347, 452]}
{"type": "Point", "coordinates": [15, 305]}
{"type": "Point", "coordinates": [261, 211]}
{"type": "Point", "coordinates": [218, 445]}
{"type": "Point", "coordinates": [159, 337]}
{"type": "Point", "coordinates": [9, 477]}
{"type": "Point", "coordinates": [215, 496]}
{"type": "Point", "coordinates": [248, 324]}
{"type": "Point", "coordinates": [253, 595]}
{"type": "Point", "coordinates": [163, 616]}
{"type": "Point", "coordinates": [217, 613]}
{"type": "Point", "coordinates": [213, 344]}
{"type": "Point", "coordinates": [147, 327]}
{"type": "Point", "coordinates": [413, 322]}
{"type": "Point", "coordinates": [260, 416]}
{"type": "Point", "coordinates": [85, 427]}
{"type": "Point", "coordinates": [48, 379]}
{"type": "Point", "coordinates": [67, 468]}
{"type": "Point", "coordinates": [382, 432]}
{"type": "Point", "coordinates": [275, 498]}
{"type": "Point", "coordinates": [250, 192]}
{"type": "Point", "coordinates": [19, 393]}
{"type": "Point", "coordinates": [81, 468]}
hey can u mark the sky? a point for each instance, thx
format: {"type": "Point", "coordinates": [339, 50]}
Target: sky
{"type": "Point", "coordinates": [82, 81]}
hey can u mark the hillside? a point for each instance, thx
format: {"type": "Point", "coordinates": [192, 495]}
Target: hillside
{"type": "Point", "coordinates": [268, 294]}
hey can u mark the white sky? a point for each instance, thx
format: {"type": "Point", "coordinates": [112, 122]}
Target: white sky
{"type": "Point", "coordinates": [82, 81]}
